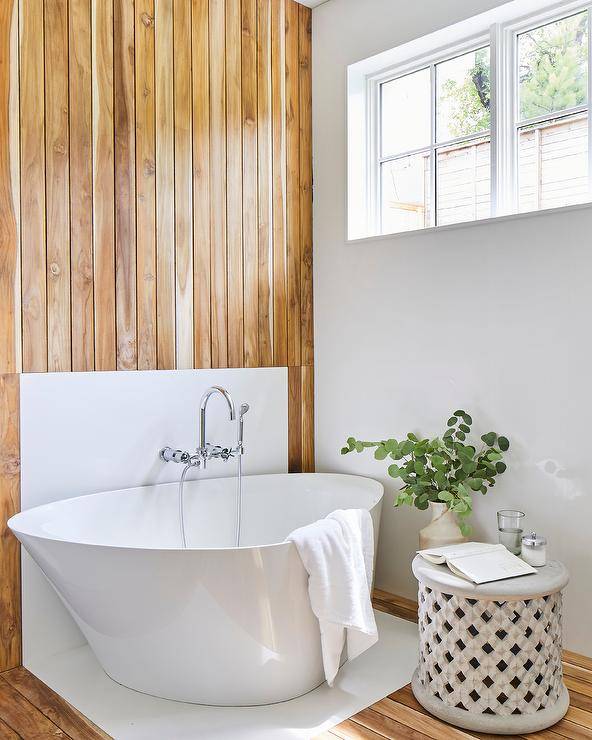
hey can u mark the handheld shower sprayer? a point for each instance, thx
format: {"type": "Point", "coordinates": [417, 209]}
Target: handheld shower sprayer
{"type": "Point", "coordinates": [242, 411]}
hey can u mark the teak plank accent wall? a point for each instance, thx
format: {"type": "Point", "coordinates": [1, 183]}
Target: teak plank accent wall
{"type": "Point", "coordinates": [155, 204]}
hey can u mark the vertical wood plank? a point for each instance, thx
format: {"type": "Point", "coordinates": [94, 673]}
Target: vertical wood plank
{"type": "Point", "coordinates": [32, 124]}
{"type": "Point", "coordinates": [80, 85]}
{"type": "Point", "coordinates": [250, 200]}
{"type": "Point", "coordinates": [10, 611]}
{"type": "Point", "coordinates": [234, 182]}
{"type": "Point", "coordinates": [9, 247]}
{"type": "Point", "coordinates": [57, 177]}
{"type": "Point", "coordinates": [278, 117]}
{"type": "Point", "coordinates": [183, 184]}
{"type": "Point", "coordinates": [201, 183]}
{"type": "Point", "coordinates": [145, 185]}
{"type": "Point", "coordinates": [10, 587]}
{"type": "Point", "coordinates": [165, 186]}
{"type": "Point", "coordinates": [308, 460]}
{"type": "Point", "coordinates": [264, 175]}
{"type": "Point", "coordinates": [125, 183]}
{"type": "Point", "coordinates": [103, 186]}
{"type": "Point", "coordinates": [14, 134]}
{"type": "Point", "coordinates": [305, 157]}
{"type": "Point", "coordinates": [294, 419]}
{"type": "Point", "coordinates": [219, 297]}
{"type": "Point", "coordinates": [293, 181]}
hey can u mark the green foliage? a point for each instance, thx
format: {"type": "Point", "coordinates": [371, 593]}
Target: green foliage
{"type": "Point", "coordinates": [553, 67]}
{"type": "Point", "coordinates": [445, 469]}
{"type": "Point", "coordinates": [553, 77]}
{"type": "Point", "coordinates": [469, 102]}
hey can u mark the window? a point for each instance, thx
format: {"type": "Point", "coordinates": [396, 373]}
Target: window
{"type": "Point", "coordinates": [494, 123]}
{"type": "Point", "coordinates": [552, 125]}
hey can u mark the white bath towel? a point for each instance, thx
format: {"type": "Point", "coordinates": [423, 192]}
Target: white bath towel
{"type": "Point", "coordinates": [338, 554]}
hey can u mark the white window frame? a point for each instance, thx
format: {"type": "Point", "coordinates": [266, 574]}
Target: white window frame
{"type": "Point", "coordinates": [502, 39]}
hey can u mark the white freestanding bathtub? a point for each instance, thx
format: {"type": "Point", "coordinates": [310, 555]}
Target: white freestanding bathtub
{"type": "Point", "coordinates": [212, 624]}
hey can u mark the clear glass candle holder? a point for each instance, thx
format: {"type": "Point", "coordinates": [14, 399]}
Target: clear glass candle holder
{"type": "Point", "coordinates": [509, 525]}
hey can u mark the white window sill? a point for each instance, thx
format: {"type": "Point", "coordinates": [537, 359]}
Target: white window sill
{"type": "Point", "coordinates": [431, 230]}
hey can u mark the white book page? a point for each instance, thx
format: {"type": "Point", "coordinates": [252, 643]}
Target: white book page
{"type": "Point", "coordinates": [440, 555]}
{"type": "Point", "coordinates": [494, 565]}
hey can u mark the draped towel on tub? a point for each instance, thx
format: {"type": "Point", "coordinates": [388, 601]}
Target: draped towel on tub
{"type": "Point", "coordinates": [338, 554]}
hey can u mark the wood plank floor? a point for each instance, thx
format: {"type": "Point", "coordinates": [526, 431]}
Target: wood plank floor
{"type": "Point", "coordinates": [31, 710]}
{"type": "Point", "coordinates": [399, 716]}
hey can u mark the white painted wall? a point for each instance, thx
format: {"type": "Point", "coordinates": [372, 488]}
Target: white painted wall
{"type": "Point", "coordinates": [87, 432]}
{"type": "Point", "coordinates": [494, 318]}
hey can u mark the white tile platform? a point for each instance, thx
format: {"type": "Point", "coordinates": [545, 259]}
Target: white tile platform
{"type": "Point", "coordinates": [129, 715]}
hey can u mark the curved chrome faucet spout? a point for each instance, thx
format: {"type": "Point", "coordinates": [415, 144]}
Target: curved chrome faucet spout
{"type": "Point", "coordinates": [202, 410]}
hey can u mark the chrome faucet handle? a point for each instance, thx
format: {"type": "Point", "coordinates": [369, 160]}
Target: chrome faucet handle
{"type": "Point", "coordinates": [168, 454]}
{"type": "Point", "coordinates": [210, 452]}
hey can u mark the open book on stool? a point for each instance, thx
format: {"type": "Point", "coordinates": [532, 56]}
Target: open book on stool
{"type": "Point", "coordinates": [478, 562]}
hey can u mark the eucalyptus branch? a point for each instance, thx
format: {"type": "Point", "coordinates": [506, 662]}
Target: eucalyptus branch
{"type": "Point", "coordinates": [445, 469]}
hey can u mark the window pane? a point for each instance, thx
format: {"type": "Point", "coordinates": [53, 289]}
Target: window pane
{"type": "Point", "coordinates": [405, 112]}
{"type": "Point", "coordinates": [553, 164]}
{"type": "Point", "coordinates": [463, 182]}
{"type": "Point", "coordinates": [553, 70]}
{"type": "Point", "coordinates": [463, 95]}
{"type": "Point", "coordinates": [405, 186]}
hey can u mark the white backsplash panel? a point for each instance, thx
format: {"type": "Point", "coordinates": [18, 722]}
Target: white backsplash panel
{"type": "Point", "coordinates": [87, 432]}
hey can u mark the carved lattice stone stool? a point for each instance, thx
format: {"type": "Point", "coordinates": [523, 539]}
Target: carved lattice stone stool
{"type": "Point", "coordinates": [490, 655]}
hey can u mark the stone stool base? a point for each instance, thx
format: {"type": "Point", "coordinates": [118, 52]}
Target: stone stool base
{"type": "Point", "coordinates": [494, 724]}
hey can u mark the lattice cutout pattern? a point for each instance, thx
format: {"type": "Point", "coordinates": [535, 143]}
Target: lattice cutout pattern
{"type": "Point", "coordinates": [490, 657]}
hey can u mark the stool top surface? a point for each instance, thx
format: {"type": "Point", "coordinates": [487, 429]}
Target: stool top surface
{"type": "Point", "coordinates": [547, 580]}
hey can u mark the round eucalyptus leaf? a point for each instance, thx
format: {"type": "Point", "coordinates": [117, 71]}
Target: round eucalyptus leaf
{"type": "Point", "coordinates": [406, 447]}
{"type": "Point", "coordinates": [503, 444]}
{"type": "Point", "coordinates": [489, 438]}
{"type": "Point", "coordinates": [394, 471]}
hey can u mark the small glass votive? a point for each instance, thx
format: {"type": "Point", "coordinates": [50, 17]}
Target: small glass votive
{"type": "Point", "coordinates": [509, 524]}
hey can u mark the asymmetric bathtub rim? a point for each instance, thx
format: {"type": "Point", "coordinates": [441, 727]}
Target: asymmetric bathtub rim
{"type": "Point", "coordinates": [13, 521]}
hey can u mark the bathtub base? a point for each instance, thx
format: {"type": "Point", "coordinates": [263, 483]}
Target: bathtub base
{"type": "Point", "coordinates": [221, 704]}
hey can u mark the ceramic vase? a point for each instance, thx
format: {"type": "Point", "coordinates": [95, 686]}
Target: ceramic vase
{"type": "Point", "coordinates": [442, 530]}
